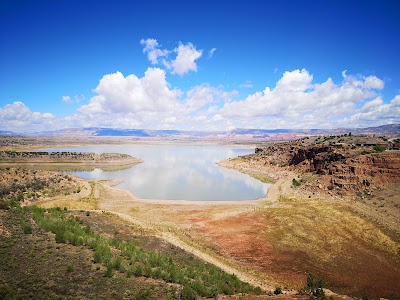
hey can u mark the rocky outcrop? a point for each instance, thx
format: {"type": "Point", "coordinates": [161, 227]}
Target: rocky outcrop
{"type": "Point", "coordinates": [340, 170]}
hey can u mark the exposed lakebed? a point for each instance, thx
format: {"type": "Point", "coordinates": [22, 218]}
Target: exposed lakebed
{"type": "Point", "coordinates": [178, 172]}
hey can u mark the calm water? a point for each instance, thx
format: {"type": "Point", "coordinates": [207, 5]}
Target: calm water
{"type": "Point", "coordinates": [178, 172]}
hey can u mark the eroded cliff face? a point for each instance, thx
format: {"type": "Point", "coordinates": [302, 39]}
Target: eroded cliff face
{"type": "Point", "coordinates": [344, 170]}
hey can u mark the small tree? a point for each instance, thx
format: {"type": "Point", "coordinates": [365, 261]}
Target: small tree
{"type": "Point", "coordinates": [314, 287]}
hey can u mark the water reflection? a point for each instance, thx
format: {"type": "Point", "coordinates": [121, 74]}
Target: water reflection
{"type": "Point", "coordinates": [179, 172]}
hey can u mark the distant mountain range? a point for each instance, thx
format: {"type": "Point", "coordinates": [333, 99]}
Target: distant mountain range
{"type": "Point", "coordinates": [392, 130]}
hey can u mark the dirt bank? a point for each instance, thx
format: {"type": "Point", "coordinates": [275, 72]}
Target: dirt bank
{"type": "Point", "coordinates": [69, 158]}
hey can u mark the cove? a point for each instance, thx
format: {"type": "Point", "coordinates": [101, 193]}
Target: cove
{"type": "Point", "coordinates": [178, 172]}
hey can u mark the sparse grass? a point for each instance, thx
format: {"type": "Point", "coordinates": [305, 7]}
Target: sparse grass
{"type": "Point", "coordinates": [197, 278]}
{"type": "Point", "coordinates": [325, 230]}
{"type": "Point", "coordinates": [261, 177]}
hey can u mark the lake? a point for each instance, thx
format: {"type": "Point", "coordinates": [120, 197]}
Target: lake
{"type": "Point", "coordinates": [178, 172]}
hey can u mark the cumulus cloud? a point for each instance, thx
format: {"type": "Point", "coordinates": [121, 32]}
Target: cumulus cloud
{"type": "Point", "coordinates": [18, 117]}
{"type": "Point", "coordinates": [152, 49]}
{"type": "Point", "coordinates": [376, 112]}
{"type": "Point", "coordinates": [184, 62]}
{"type": "Point", "coordinates": [185, 59]}
{"type": "Point", "coordinates": [149, 102]}
{"type": "Point", "coordinates": [296, 101]}
{"type": "Point", "coordinates": [119, 94]}
{"type": "Point", "coordinates": [373, 82]}
{"type": "Point", "coordinates": [205, 94]}
{"type": "Point", "coordinates": [296, 97]}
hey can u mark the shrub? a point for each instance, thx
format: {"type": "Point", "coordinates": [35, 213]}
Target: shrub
{"type": "Point", "coordinates": [188, 293]}
{"type": "Point", "coordinates": [137, 271]}
{"type": "Point", "coordinates": [295, 182]}
{"type": "Point", "coordinates": [278, 291]}
{"type": "Point", "coordinates": [27, 229]}
{"type": "Point", "coordinates": [109, 271]}
{"type": "Point", "coordinates": [143, 294]}
{"type": "Point", "coordinates": [314, 287]}
{"type": "Point", "coordinates": [379, 148]}
{"type": "Point", "coordinates": [60, 238]}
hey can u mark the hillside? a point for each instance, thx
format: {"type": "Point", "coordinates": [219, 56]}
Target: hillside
{"type": "Point", "coordinates": [89, 254]}
{"type": "Point", "coordinates": [238, 134]}
{"type": "Point", "coordinates": [338, 167]}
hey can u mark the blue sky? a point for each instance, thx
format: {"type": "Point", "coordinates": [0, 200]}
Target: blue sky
{"type": "Point", "coordinates": [205, 66]}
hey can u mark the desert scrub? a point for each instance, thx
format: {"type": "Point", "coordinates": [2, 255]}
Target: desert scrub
{"type": "Point", "coordinates": [296, 183]}
{"type": "Point", "coordinates": [314, 288]}
{"type": "Point", "coordinates": [196, 277]}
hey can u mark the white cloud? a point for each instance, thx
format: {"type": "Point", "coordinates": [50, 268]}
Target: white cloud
{"type": "Point", "coordinates": [217, 118]}
{"type": "Point", "coordinates": [375, 113]}
{"type": "Point", "coordinates": [247, 84]}
{"type": "Point", "coordinates": [130, 94]}
{"type": "Point", "coordinates": [372, 105]}
{"type": "Point", "coordinates": [152, 50]}
{"type": "Point", "coordinates": [185, 59]}
{"type": "Point", "coordinates": [373, 82]}
{"type": "Point", "coordinates": [66, 99]}
{"type": "Point", "coordinates": [200, 96]}
{"type": "Point", "coordinates": [211, 52]}
{"type": "Point", "coordinates": [69, 100]}
{"type": "Point", "coordinates": [18, 117]}
{"type": "Point", "coordinates": [149, 102]}
{"type": "Point", "coordinates": [186, 55]}
{"type": "Point", "coordinates": [296, 101]}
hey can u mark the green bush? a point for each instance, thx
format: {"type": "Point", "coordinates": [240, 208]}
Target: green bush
{"type": "Point", "coordinates": [278, 291]}
{"type": "Point", "coordinates": [137, 271]}
{"type": "Point", "coordinates": [27, 229]}
{"type": "Point", "coordinates": [188, 293]}
{"type": "Point", "coordinates": [379, 148]}
{"type": "Point", "coordinates": [109, 271]}
{"type": "Point", "coordinates": [314, 287]}
{"type": "Point", "coordinates": [143, 294]}
{"type": "Point", "coordinates": [295, 182]}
